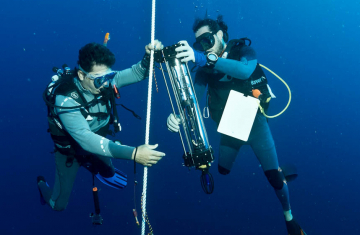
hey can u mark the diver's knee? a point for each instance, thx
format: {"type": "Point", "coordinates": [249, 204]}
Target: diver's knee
{"type": "Point", "coordinates": [223, 170]}
{"type": "Point", "coordinates": [57, 206]}
{"type": "Point", "coordinates": [276, 178]}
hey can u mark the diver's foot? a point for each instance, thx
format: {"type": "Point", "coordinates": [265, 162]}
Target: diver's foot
{"type": "Point", "coordinates": [294, 228]}
{"type": "Point", "coordinates": [41, 179]}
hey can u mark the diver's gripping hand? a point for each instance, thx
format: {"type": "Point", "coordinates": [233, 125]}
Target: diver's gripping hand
{"type": "Point", "coordinates": [185, 52]}
{"type": "Point", "coordinates": [157, 44]}
{"type": "Point", "coordinates": [173, 123]}
{"type": "Point", "coordinates": [146, 156]}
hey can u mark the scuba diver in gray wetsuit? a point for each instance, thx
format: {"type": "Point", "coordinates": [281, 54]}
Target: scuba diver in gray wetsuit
{"type": "Point", "coordinates": [81, 106]}
{"type": "Point", "coordinates": [226, 66]}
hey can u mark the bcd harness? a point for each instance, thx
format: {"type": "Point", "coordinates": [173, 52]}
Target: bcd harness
{"type": "Point", "coordinates": [218, 91]}
{"type": "Point", "coordinates": [65, 86]}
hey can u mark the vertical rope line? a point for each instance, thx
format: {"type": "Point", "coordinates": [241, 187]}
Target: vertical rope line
{"type": "Point", "coordinates": [143, 209]}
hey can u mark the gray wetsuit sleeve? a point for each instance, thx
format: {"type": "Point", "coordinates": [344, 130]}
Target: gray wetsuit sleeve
{"type": "Point", "coordinates": [121, 151]}
{"type": "Point", "coordinates": [239, 69]}
{"type": "Point", "coordinates": [76, 125]}
{"type": "Point", "coordinates": [131, 75]}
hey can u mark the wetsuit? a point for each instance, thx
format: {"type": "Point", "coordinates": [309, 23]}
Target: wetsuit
{"type": "Point", "coordinates": [92, 150]}
{"type": "Point", "coordinates": [227, 75]}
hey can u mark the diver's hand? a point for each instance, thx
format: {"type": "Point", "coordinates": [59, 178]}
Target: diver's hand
{"type": "Point", "coordinates": [173, 123]}
{"type": "Point", "coordinates": [185, 51]}
{"type": "Point", "coordinates": [146, 156]}
{"type": "Point", "coordinates": [158, 46]}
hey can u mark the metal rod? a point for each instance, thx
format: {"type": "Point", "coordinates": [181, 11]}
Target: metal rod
{"type": "Point", "coordinates": [172, 106]}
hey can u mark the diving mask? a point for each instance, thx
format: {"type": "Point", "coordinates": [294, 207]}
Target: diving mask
{"type": "Point", "coordinates": [204, 42]}
{"type": "Point", "coordinates": [101, 80]}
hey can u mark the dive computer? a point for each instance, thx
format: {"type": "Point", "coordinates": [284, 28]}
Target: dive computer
{"type": "Point", "coordinates": [211, 60]}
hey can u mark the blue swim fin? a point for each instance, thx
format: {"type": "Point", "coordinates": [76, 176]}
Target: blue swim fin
{"type": "Point", "coordinates": [118, 181]}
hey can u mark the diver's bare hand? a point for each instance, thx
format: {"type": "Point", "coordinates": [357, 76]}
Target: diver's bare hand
{"type": "Point", "coordinates": [157, 44]}
{"type": "Point", "coordinates": [146, 156]}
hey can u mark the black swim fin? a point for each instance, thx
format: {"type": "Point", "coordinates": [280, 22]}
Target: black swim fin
{"type": "Point", "coordinates": [294, 228]}
{"type": "Point", "coordinates": [41, 179]}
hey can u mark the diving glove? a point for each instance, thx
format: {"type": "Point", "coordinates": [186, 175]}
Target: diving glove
{"type": "Point", "coordinates": [186, 53]}
{"type": "Point", "coordinates": [173, 123]}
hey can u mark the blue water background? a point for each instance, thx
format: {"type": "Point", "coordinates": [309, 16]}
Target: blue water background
{"type": "Point", "coordinates": [313, 45]}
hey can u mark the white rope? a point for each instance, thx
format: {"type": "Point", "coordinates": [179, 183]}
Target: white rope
{"type": "Point", "coordinates": [143, 209]}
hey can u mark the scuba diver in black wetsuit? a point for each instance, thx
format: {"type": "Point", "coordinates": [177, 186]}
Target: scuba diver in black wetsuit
{"type": "Point", "coordinates": [227, 66]}
{"type": "Point", "coordinates": [81, 106]}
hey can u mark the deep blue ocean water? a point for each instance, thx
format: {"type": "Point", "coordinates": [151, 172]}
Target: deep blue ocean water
{"type": "Point", "coordinates": [313, 45]}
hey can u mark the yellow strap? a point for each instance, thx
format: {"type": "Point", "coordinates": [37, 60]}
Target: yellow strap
{"type": "Point", "coordinates": [262, 109]}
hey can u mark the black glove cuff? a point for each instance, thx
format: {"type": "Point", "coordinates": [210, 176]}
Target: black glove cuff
{"type": "Point", "coordinates": [145, 62]}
